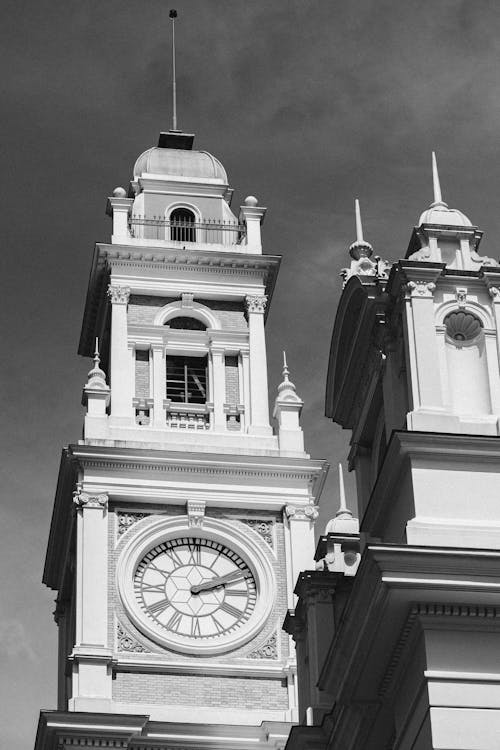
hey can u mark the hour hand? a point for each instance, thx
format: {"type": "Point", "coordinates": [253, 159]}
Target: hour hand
{"type": "Point", "coordinates": [213, 583]}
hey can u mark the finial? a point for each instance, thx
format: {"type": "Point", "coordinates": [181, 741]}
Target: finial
{"type": "Point", "coordinates": [343, 509]}
{"type": "Point", "coordinates": [436, 185]}
{"type": "Point", "coordinates": [360, 248]}
{"type": "Point", "coordinates": [286, 380]}
{"type": "Point", "coordinates": [96, 376]}
{"type": "Point", "coordinates": [173, 15]}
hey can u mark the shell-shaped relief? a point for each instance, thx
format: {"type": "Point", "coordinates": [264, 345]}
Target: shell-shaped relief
{"type": "Point", "coordinates": [462, 326]}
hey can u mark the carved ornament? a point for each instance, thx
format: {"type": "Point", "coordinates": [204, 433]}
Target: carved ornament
{"type": "Point", "coordinates": [301, 512]}
{"type": "Point", "coordinates": [420, 288]}
{"type": "Point", "coordinates": [494, 293]}
{"type": "Point", "coordinates": [256, 303]}
{"type": "Point", "coordinates": [195, 512]}
{"type": "Point", "coordinates": [126, 520]}
{"type": "Point", "coordinates": [119, 295]}
{"type": "Point", "coordinates": [262, 527]}
{"type": "Point", "coordinates": [187, 299]}
{"type": "Point", "coordinates": [268, 650]}
{"type": "Point", "coordinates": [83, 500]}
{"type": "Point", "coordinates": [125, 642]}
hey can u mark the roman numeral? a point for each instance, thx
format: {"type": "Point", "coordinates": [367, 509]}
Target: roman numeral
{"type": "Point", "coordinates": [150, 588]}
{"type": "Point", "coordinates": [218, 626]}
{"type": "Point", "coordinates": [238, 592]}
{"type": "Point", "coordinates": [195, 627]}
{"type": "Point", "coordinates": [175, 557]}
{"type": "Point", "coordinates": [159, 606]}
{"type": "Point", "coordinates": [230, 610]}
{"type": "Point", "coordinates": [195, 554]}
{"type": "Point", "coordinates": [174, 622]}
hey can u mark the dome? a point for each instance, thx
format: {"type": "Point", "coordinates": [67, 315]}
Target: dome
{"type": "Point", "coordinates": [439, 213]}
{"type": "Point", "coordinates": [180, 163]}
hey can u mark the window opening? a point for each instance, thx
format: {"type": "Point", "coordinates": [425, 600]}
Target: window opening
{"type": "Point", "coordinates": [186, 323]}
{"type": "Point", "coordinates": [187, 379]}
{"type": "Point", "coordinates": [182, 227]}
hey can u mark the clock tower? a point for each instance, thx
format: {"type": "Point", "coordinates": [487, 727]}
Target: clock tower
{"type": "Point", "coordinates": [181, 521]}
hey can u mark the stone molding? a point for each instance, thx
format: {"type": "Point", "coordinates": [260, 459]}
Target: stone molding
{"type": "Point", "coordinates": [256, 303]}
{"type": "Point", "coordinates": [301, 512]}
{"type": "Point", "coordinates": [84, 500]}
{"type": "Point", "coordinates": [119, 295]}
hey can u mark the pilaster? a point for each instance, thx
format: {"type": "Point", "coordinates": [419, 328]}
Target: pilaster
{"type": "Point", "coordinates": [300, 523]}
{"type": "Point", "coordinates": [259, 407]}
{"type": "Point", "coordinates": [120, 375]}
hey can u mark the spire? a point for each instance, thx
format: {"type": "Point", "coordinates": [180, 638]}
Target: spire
{"type": "Point", "coordinates": [359, 226]}
{"type": "Point", "coordinates": [359, 248]}
{"type": "Point", "coordinates": [436, 185]}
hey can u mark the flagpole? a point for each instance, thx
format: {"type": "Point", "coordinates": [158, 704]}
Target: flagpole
{"type": "Point", "coordinates": [173, 16]}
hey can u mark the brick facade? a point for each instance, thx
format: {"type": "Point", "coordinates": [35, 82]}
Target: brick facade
{"type": "Point", "coordinates": [143, 308]}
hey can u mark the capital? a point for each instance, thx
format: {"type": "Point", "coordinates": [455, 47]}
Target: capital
{"type": "Point", "coordinates": [494, 293]}
{"type": "Point", "coordinates": [256, 303]}
{"type": "Point", "coordinates": [420, 289]}
{"type": "Point", "coordinates": [301, 512]}
{"type": "Point", "coordinates": [119, 295]}
{"type": "Point", "coordinates": [83, 500]}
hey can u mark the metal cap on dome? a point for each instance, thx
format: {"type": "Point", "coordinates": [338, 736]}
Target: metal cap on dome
{"type": "Point", "coordinates": [176, 139]}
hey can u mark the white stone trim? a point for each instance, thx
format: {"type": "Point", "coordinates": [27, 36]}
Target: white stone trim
{"type": "Point", "coordinates": [470, 306]}
{"type": "Point", "coordinates": [194, 310]}
{"type": "Point", "coordinates": [220, 531]}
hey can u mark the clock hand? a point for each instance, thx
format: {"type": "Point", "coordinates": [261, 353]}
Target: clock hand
{"type": "Point", "coordinates": [213, 583]}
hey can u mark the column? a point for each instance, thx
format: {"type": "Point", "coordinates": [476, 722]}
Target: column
{"type": "Point", "coordinates": [253, 216]}
{"type": "Point", "coordinates": [119, 205]}
{"type": "Point", "coordinates": [91, 655]}
{"type": "Point", "coordinates": [219, 387]}
{"type": "Point", "coordinates": [159, 385]}
{"type": "Point", "coordinates": [245, 390]}
{"type": "Point", "coordinates": [120, 371]}
{"type": "Point", "coordinates": [259, 407]}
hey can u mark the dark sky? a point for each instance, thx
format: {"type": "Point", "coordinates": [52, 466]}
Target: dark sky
{"type": "Point", "coordinates": [308, 105]}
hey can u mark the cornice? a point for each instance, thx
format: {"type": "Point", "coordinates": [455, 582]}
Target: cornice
{"type": "Point", "coordinates": [201, 463]}
{"type": "Point", "coordinates": [391, 582]}
{"type": "Point", "coordinates": [208, 263]}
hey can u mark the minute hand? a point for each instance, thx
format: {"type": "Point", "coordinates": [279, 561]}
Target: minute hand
{"type": "Point", "coordinates": [215, 582]}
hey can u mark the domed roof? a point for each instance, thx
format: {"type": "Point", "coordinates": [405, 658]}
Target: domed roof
{"type": "Point", "coordinates": [179, 163]}
{"type": "Point", "coordinates": [439, 213]}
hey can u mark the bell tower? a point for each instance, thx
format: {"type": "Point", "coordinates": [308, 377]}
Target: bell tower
{"type": "Point", "coordinates": [181, 520]}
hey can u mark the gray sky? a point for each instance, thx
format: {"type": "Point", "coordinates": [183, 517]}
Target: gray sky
{"type": "Point", "coordinates": [308, 105]}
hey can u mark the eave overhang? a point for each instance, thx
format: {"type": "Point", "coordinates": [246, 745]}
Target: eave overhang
{"type": "Point", "coordinates": [361, 301]}
{"type": "Point", "coordinates": [174, 260]}
{"type": "Point", "coordinates": [58, 729]}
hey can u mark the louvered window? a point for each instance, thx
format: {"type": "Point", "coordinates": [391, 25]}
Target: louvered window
{"type": "Point", "coordinates": [187, 379]}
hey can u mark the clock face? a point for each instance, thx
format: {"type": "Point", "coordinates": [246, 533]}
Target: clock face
{"type": "Point", "coordinates": [195, 589]}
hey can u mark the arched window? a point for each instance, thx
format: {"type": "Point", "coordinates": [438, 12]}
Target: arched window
{"type": "Point", "coordinates": [182, 227]}
{"type": "Point", "coordinates": [186, 323]}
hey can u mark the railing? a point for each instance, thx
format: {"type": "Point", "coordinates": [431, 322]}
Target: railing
{"type": "Point", "coordinates": [188, 416]}
{"type": "Point", "coordinates": [212, 231]}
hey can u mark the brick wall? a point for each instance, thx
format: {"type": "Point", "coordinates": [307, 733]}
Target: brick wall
{"type": "Point", "coordinates": [143, 308]}
{"type": "Point", "coordinates": [201, 690]}
{"type": "Point", "coordinates": [232, 381]}
{"type": "Point", "coordinates": [142, 374]}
